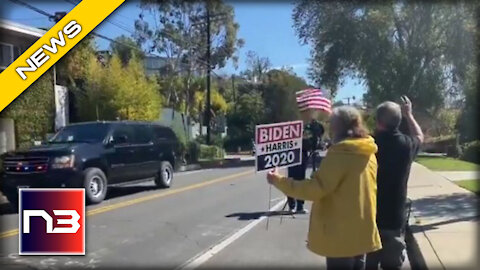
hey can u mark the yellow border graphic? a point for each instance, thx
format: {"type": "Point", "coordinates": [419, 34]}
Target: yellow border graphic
{"type": "Point", "coordinates": [46, 51]}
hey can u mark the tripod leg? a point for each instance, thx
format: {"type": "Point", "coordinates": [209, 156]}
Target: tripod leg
{"type": "Point", "coordinates": [283, 209]}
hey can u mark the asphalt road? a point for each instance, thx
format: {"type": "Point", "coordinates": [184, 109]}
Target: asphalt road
{"type": "Point", "coordinates": [141, 226]}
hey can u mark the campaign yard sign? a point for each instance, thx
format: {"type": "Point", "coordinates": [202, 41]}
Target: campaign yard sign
{"type": "Point", "coordinates": [278, 145]}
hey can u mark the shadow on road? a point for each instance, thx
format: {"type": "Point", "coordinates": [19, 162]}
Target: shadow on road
{"type": "Point", "coordinates": [115, 192]}
{"type": "Point", "coordinates": [257, 215]}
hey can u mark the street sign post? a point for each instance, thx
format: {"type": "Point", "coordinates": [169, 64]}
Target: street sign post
{"type": "Point", "coordinates": [278, 145]}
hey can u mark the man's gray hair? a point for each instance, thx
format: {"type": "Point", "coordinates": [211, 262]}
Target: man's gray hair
{"type": "Point", "coordinates": [389, 115]}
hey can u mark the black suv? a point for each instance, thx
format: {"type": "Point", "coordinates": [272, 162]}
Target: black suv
{"type": "Point", "coordinates": [94, 155]}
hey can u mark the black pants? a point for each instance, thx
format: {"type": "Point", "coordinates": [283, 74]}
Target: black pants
{"type": "Point", "coordinates": [297, 173]}
{"type": "Point", "coordinates": [348, 263]}
{"type": "Point", "coordinates": [392, 255]}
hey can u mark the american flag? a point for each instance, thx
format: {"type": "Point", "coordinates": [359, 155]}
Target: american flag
{"type": "Point", "coordinates": [313, 99]}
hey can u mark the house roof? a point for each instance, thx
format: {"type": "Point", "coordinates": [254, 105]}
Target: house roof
{"type": "Point", "coordinates": [21, 28]}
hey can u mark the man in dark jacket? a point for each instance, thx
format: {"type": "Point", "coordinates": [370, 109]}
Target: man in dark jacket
{"type": "Point", "coordinates": [396, 152]}
{"type": "Point", "coordinates": [312, 136]}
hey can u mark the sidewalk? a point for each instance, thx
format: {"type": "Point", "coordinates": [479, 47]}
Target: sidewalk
{"type": "Point", "coordinates": [445, 220]}
{"type": "Point", "coordinates": [460, 175]}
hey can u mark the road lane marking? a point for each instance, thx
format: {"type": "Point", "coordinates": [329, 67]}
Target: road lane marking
{"type": "Point", "coordinates": [123, 204]}
{"type": "Point", "coordinates": [9, 233]}
{"type": "Point", "coordinates": [193, 172]}
{"type": "Point", "coordinates": [201, 258]}
{"type": "Point", "coordinates": [277, 199]}
{"type": "Point", "coordinates": [163, 194]}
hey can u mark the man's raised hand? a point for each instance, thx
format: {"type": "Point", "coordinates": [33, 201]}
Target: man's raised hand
{"type": "Point", "coordinates": [406, 106]}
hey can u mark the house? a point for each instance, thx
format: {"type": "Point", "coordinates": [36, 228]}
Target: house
{"type": "Point", "coordinates": [15, 38]}
{"type": "Point", "coordinates": [155, 65]}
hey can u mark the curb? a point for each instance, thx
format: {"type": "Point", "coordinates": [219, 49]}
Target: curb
{"type": "Point", "coordinates": [217, 164]}
{"type": "Point", "coordinates": [190, 167]}
{"type": "Point", "coordinates": [226, 163]}
{"type": "Point", "coordinates": [414, 253]}
{"type": "Point", "coordinates": [415, 256]}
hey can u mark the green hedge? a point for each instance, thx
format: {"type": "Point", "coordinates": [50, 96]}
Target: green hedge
{"type": "Point", "coordinates": [211, 152]}
{"type": "Point", "coordinates": [197, 151]}
{"type": "Point", "coordinates": [471, 152]}
{"type": "Point", "coordinates": [33, 112]}
{"type": "Point", "coordinates": [215, 139]}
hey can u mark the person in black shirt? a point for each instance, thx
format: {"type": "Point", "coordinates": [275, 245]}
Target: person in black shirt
{"type": "Point", "coordinates": [312, 135]}
{"type": "Point", "coordinates": [396, 152]}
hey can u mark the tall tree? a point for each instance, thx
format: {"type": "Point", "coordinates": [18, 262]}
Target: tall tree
{"type": "Point", "coordinates": [241, 122]}
{"type": "Point", "coordinates": [257, 67]}
{"type": "Point", "coordinates": [420, 49]}
{"type": "Point", "coordinates": [179, 33]}
{"type": "Point", "coordinates": [278, 88]}
{"type": "Point", "coordinates": [126, 48]}
{"type": "Point", "coordinates": [120, 91]}
{"type": "Point", "coordinates": [72, 71]}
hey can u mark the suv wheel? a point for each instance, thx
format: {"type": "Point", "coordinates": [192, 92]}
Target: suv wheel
{"type": "Point", "coordinates": [95, 184]}
{"type": "Point", "coordinates": [164, 177]}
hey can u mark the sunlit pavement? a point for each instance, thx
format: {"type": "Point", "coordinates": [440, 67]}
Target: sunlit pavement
{"type": "Point", "coordinates": [169, 230]}
{"type": "Point", "coordinates": [208, 218]}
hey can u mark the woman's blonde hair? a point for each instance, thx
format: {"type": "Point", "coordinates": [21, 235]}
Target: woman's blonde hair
{"type": "Point", "coordinates": [349, 122]}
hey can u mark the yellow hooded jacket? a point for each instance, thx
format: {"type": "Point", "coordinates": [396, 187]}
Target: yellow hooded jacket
{"type": "Point", "coordinates": [344, 195]}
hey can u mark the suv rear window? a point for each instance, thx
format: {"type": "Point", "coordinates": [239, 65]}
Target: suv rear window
{"type": "Point", "coordinates": [143, 134]}
{"type": "Point", "coordinates": [163, 133]}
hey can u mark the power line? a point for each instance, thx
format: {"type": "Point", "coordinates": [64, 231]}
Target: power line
{"type": "Point", "coordinates": [123, 27]}
{"type": "Point", "coordinates": [18, 2]}
{"type": "Point", "coordinates": [51, 17]}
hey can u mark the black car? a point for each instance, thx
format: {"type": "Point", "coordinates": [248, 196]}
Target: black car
{"type": "Point", "coordinates": [94, 155]}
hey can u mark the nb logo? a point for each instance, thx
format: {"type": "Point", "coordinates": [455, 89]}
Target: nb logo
{"type": "Point", "coordinates": [73, 221]}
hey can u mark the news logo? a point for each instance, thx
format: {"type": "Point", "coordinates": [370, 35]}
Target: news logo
{"type": "Point", "coordinates": [51, 221]}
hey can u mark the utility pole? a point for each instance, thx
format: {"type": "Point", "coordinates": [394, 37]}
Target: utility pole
{"type": "Point", "coordinates": [207, 115]}
{"type": "Point", "coordinates": [348, 99]}
{"type": "Point", "coordinates": [56, 18]}
{"type": "Point", "coordinates": [208, 111]}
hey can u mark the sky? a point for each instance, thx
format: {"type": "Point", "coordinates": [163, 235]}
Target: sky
{"type": "Point", "coordinates": [265, 26]}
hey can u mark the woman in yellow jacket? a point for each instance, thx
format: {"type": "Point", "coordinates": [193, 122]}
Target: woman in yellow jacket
{"type": "Point", "coordinates": [343, 191]}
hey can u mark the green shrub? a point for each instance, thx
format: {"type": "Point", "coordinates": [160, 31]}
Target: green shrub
{"type": "Point", "coordinates": [211, 152]}
{"type": "Point", "coordinates": [471, 152]}
{"type": "Point", "coordinates": [215, 139]}
{"type": "Point", "coordinates": [33, 112]}
{"type": "Point", "coordinates": [196, 151]}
